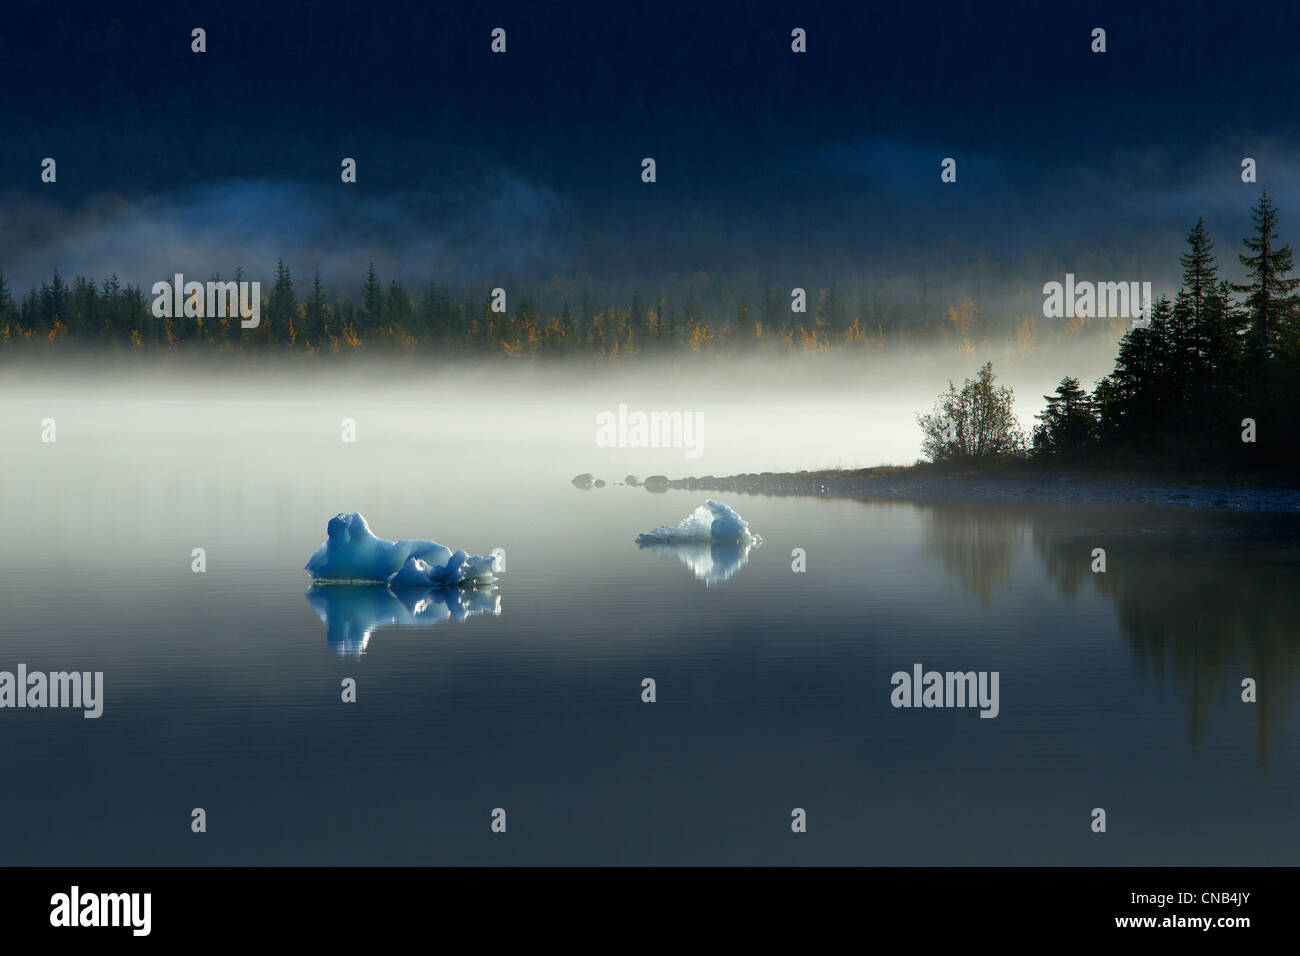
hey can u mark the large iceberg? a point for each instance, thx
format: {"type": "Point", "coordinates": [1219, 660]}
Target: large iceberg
{"type": "Point", "coordinates": [353, 554]}
{"type": "Point", "coordinates": [711, 521]}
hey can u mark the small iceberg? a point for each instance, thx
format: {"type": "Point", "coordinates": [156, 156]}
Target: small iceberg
{"type": "Point", "coordinates": [711, 521]}
{"type": "Point", "coordinates": [713, 541]}
{"type": "Point", "coordinates": [353, 554]}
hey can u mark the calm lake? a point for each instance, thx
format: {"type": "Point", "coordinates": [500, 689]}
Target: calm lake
{"type": "Point", "coordinates": [1120, 690]}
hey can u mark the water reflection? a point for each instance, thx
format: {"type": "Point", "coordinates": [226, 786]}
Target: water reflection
{"type": "Point", "coordinates": [712, 562]}
{"type": "Point", "coordinates": [975, 543]}
{"type": "Point", "coordinates": [353, 612]}
{"type": "Point", "coordinates": [1207, 608]}
{"type": "Point", "coordinates": [1202, 599]}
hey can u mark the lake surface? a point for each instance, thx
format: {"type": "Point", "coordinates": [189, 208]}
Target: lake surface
{"type": "Point", "coordinates": [1119, 690]}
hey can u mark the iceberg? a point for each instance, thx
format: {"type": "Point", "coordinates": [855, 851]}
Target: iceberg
{"type": "Point", "coordinates": [353, 554]}
{"type": "Point", "coordinates": [352, 614]}
{"type": "Point", "coordinates": [713, 541]}
{"type": "Point", "coordinates": [711, 521]}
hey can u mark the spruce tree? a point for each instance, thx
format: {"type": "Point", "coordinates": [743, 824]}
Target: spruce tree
{"type": "Point", "coordinates": [1200, 274]}
{"type": "Point", "coordinates": [1134, 397]}
{"type": "Point", "coordinates": [1271, 301]}
{"type": "Point", "coordinates": [282, 307]}
{"type": "Point", "coordinates": [1068, 426]}
{"type": "Point", "coordinates": [6, 302]}
{"type": "Point", "coordinates": [372, 299]}
{"type": "Point", "coordinates": [315, 313]}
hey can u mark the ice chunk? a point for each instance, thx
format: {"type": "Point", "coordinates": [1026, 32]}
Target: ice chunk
{"type": "Point", "coordinates": [713, 541]}
{"type": "Point", "coordinates": [413, 574]}
{"type": "Point", "coordinates": [459, 570]}
{"type": "Point", "coordinates": [352, 553]}
{"type": "Point", "coordinates": [464, 570]}
{"type": "Point", "coordinates": [711, 521]}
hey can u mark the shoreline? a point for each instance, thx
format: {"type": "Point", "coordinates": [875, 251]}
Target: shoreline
{"type": "Point", "coordinates": [920, 484]}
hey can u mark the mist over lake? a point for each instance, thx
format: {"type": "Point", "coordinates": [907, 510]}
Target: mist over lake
{"type": "Point", "coordinates": [222, 689]}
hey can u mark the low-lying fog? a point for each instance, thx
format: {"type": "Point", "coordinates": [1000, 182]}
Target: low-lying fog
{"type": "Point", "coordinates": [528, 419]}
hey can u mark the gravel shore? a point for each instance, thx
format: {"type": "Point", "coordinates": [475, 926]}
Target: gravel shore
{"type": "Point", "coordinates": [901, 484]}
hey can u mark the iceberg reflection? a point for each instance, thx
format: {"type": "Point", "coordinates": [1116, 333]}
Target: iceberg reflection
{"type": "Point", "coordinates": [352, 613]}
{"type": "Point", "coordinates": [713, 562]}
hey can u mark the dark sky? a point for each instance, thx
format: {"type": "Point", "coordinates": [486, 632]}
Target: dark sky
{"type": "Point", "coordinates": [475, 165]}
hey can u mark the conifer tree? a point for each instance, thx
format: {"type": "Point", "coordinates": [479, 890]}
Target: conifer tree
{"type": "Point", "coordinates": [315, 313]}
{"type": "Point", "coordinates": [372, 298]}
{"type": "Point", "coordinates": [1271, 301]}
{"type": "Point", "coordinates": [1068, 425]}
{"type": "Point", "coordinates": [282, 307]}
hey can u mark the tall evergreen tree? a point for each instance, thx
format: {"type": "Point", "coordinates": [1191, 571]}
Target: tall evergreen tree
{"type": "Point", "coordinates": [1271, 301]}
{"type": "Point", "coordinates": [1200, 274]}
{"type": "Point", "coordinates": [1134, 398]}
{"type": "Point", "coordinates": [1068, 426]}
{"type": "Point", "coordinates": [315, 313]}
{"type": "Point", "coordinates": [114, 324]}
{"type": "Point", "coordinates": [282, 307]}
{"type": "Point", "coordinates": [397, 306]}
{"type": "Point", "coordinates": [7, 309]}
{"type": "Point", "coordinates": [53, 301]}
{"type": "Point", "coordinates": [372, 299]}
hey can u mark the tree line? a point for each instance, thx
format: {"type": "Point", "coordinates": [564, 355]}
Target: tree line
{"type": "Point", "coordinates": [703, 314]}
{"type": "Point", "coordinates": [1210, 381]}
